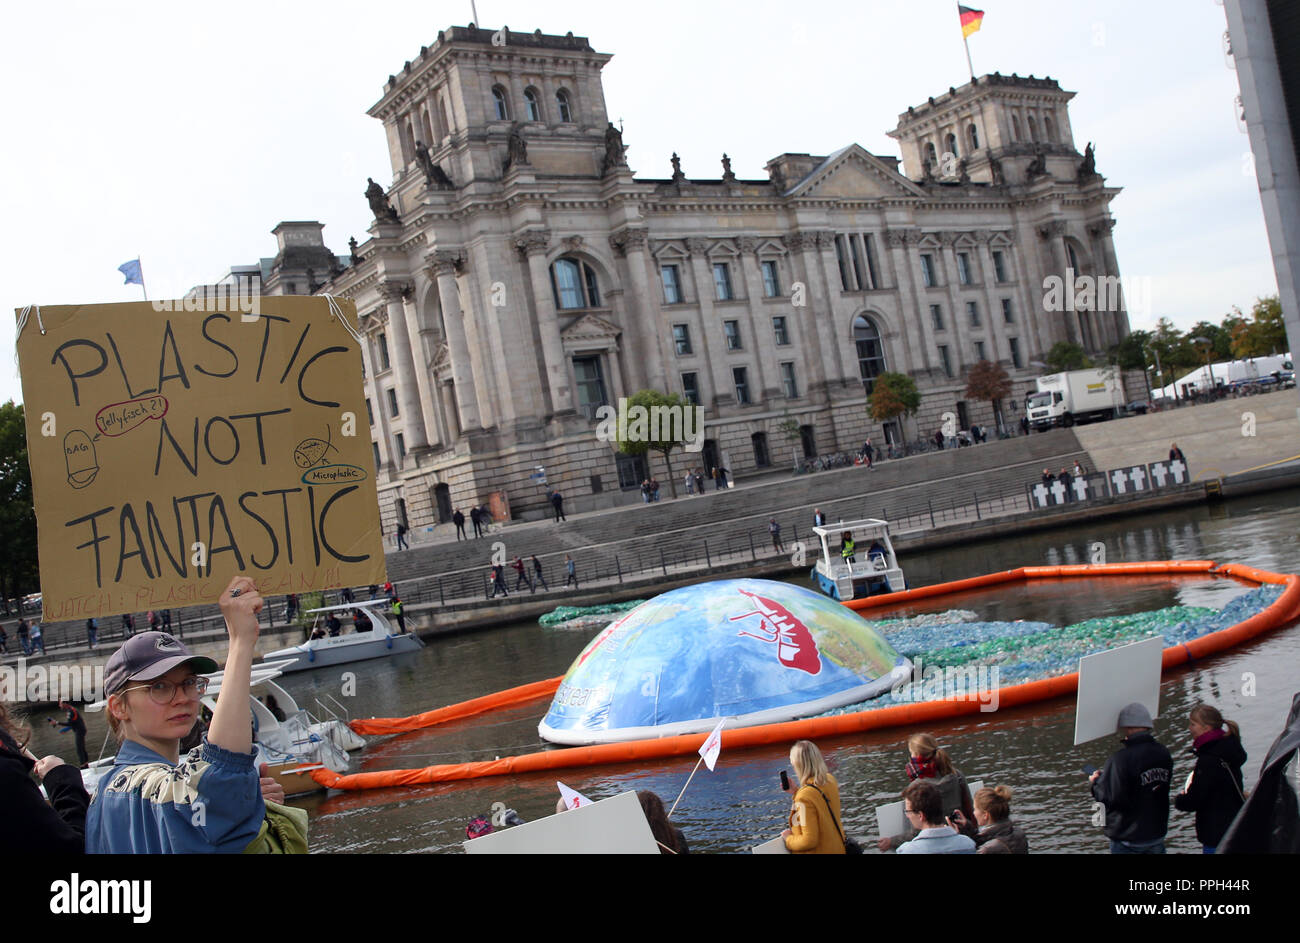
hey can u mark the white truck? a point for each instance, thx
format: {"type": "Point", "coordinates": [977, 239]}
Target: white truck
{"type": "Point", "coordinates": [1078, 396]}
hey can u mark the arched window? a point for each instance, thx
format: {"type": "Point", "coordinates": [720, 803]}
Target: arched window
{"type": "Point", "coordinates": [973, 137]}
{"type": "Point", "coordinates": [1049, 128]}
{"type": "Point", "coordinates": [499, 103]}
{"type": "Point", "coordinates": [950, 145]}
{"type": "Point", "coordinates": [446, 122]}
{"type": "Point", "coordinates": [1072, 258]}
{"type": "Point", "coordinates": [871, 354]}
{"type": "Point", "coordinates": [562, 103]}
{"type": "Point", "coordinates": [931, 158]}
{"type": "Point", "coordinates": [1033, 128]}
{"type": "Point", "coordinates": [428, 131]}
{"type": "Point", "coordinates": [408, 141]}
{"type": "Point", "coordinates": [531, 105]}
{"type": "Point", "coordinates": [574, 284]}
{"type": "Point", "coordinates": [1015, 127]}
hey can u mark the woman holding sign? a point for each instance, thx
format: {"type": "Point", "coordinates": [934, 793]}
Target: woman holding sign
{"type": "Point", "coordinates": [155, 801]}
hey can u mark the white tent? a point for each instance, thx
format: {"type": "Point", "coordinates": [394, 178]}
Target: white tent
{"type": "Point", "coordinates": [1226, 373]}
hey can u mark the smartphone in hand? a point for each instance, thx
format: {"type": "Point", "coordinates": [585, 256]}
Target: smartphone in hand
{"type": "Point", "coordinates": [1089, 770]}
{"type": "Point", "coordinates": [785, 782]}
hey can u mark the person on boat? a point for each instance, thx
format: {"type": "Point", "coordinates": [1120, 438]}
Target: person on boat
{"type": "Point", "coordinates": [361, 622]}
{"type": "Point", "coordinates": [1134, 787]}
{"type": "Point", "coordinates": [398, 609]}
{"type": "Point", "coordinates": [31, 824]}
{"type": "Point", "coordinates": [670, 838]}
{"type": "Point", "coordinates": [211, 800]}
{"type": "Point", "coordinates": [997, 833]}
{"type": "Point", "coordinates": [876, 551]}
{"type": "Point", "coordinates": [333, 624]}
{"type": "Point", "coordinates": [923, 806]}
{"type": "Point", "coordinates": [814, 822]}
{"type": "Point", "coordinates": [847, 547]}
{"type": "Point", "coordinates": [1215, 789]}
{"type": "Point", "coordinates": [274, 707]}
{"type": "Point", "coordinates": [318, 631]}
{"type": "Point", "coordinates": [928, 762]}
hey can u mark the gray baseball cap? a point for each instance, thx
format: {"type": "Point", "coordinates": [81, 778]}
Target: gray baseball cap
{"type": "Point", "coordinates": [147, 656]}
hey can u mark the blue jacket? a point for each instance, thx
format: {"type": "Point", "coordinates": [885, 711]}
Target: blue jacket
{"type": "Point", "coordinates": [943, 840]}
{"type": "Point", "coordinates": [211, 802]}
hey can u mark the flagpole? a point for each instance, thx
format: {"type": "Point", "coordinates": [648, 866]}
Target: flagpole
{"type": "Point", "coordinates": [965, 41]}
{"type": "Point", "coordinates": [142, 288]}
{"type": "Point", "coordinates": [688, 782]}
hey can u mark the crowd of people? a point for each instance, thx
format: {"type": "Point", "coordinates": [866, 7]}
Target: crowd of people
{"type": "Point", "coordinates": [528, 574]}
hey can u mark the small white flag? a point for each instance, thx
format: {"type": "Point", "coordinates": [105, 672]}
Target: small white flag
{"type": "Point", "coordinates": [572, 798]}
{"type": "Point", "coordinates": [713, 746]}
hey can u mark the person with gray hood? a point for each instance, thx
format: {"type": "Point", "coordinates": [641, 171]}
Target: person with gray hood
{"type": "Point", "coordinates": [1133, 787]}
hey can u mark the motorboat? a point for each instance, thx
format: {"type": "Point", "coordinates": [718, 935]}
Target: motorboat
{"type": "Point", "coordinates": [291, 748]}
{"type": "Point", "coordinates": [874, 568]}
{"type": "Point", "coordinates": [379, 642]}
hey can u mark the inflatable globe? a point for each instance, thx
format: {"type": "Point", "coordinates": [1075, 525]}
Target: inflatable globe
{"type": "Point", "coordinates": [752, 651]}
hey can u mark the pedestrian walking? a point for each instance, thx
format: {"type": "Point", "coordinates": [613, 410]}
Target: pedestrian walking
{"type": "Point", "coordinates": [557, 502]}
{"type": "Point", "coordinates": [24, 636]}
{"type": "Point", "coordinates": [347, 595]}
{"type": "Point", "coordinates": [38, 639]}
{"type": "Point", "coordinates": [654, 489]}
{"type": "Point", "coordinates": [690, 482]}
{"type": "Point", "coordinates": [498, 582]}
{"type": "Point", "coordinates": [537, 573]}
{"type": "Point", "coordinates": [774, 529]}
{"type": "Point", "coordinates": [571, 570]}
{"type": "Point", "coordinates": [166, 620]}
{"type": "Point", "coordinates": [521, 575]}
{"type": "Point", "coordinates": [401, 537]}
{"type": "Point", "coordinates": [645, 490]}
{"type": "Point", "coordinates": [154, 621]}
{"type": "Point", "coordinates": [476, 518]}
{"type": "Point", "coordinates": [290, 607]}
{"type": "Point", "coordinates": [869, 451]}
{"type": "Point", "coordinates": [390, 590]}
{"type": "Point", "coordinates": [397, 610]}
{"type": "Point", "coordinates": [92, 633]}
{"type": "Point", "coordinates": [1024, 425]}
{"type": "Point", "coordinates": [4, 641]}
{"type": "Point", "coordinates": [128, 625]}
{"type": "Point", "coordinates": [699, 481]}
{"type": "Point", "coordinates": [459, 520]}
{"type": "Point", "coordinates": [485, 515]}
{"type": "Point", "coordinates": [76, 725]}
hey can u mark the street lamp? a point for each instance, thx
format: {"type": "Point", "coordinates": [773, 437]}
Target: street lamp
{"type": "Point", "coordinates": [1208, 345]}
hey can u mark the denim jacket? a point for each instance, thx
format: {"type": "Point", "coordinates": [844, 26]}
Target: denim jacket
{"type": "Point", "coordinates": [210, 802]}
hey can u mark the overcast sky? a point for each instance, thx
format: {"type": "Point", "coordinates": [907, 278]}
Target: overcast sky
{"type": "Point", "coordinates": [183, 133]}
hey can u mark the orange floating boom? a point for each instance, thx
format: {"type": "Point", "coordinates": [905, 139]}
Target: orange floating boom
{"type": "Point", "coordinates": [1283, 610]}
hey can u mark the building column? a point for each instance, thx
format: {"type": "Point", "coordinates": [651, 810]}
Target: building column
{"type": "Point", "coordinates": [715, 347]}
{"type": "Point", "coordinates": [1118, 327]}
{"type": "Point", "coordinates": [998, 327]}
{"type": "Point", "coordinates": [532, 245]}
{"type": "Point", "coordinates": [423, 375]}
{"type": "Point", "coordinates": [760, 325]}
{"type": "Point", "coordinates": [408, 390]}
{"type": "Point", "coordinates": [917, 326]}
{"type": "Point", "coordinates": [642, 335]}
{"type": "Point", "coordinates": [803, 249]}
{"type": "Point", "coordinates": [1053, 234]}
{"type": "Point", "coordinates": [443, 264]}
{"type": "Point", "coordinates": [963, 347]}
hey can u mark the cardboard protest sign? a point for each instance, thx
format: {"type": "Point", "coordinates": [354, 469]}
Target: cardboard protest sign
{"type": "Point", "coordinates": [613, 826]}
{"type": "Point", "coordinates": [1110, 680]}
{"type": "Point", "coordinates": [172, 449]}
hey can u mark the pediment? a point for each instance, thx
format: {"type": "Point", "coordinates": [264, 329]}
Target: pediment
{"type": "Point", "coordinates": [855, 174]}
{"type": "Point", "coordinates": [589, 327]}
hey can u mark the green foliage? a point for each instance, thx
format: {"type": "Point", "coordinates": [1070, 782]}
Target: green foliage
{"type": "Point", "coordinates": [19, 574]}
{"type": "Point", "coordinates": [661, 437]}
{"type": "Point", "coordinates": [892, 395]}
{"type": "Point", "coordinates": [1264, 333]}
{"type": "Point", "coordinates": [1130, 353]}
{"type": "Point", "coordinates": [1066, 356]}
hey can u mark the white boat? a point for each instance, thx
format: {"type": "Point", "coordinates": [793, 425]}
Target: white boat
{"type": "Point", "coordinates": [380, 642]}
{"type": "Point", "coordinates": [874, 569]}
{"type": "Point", "coordinates": [291, 748]}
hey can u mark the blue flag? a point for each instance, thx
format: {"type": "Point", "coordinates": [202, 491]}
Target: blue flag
{"type": "Point", "coordinates": [134, 276]}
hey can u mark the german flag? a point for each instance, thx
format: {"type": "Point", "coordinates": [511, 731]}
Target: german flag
{"type": "Point", "coordinates": [970, 20]}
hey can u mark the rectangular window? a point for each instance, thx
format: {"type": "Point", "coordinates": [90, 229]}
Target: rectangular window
{"type": "Point", "coordinates": [632, 470]}
{"type": "Point", "coordinates": [400, 441]}
{"type": "Point", "coordinates": [672, 285]}
{"type": "Point", "coordinates": [392, 402]}
{"type": "Point", "coordinates": [973, 312]}
{"type": "Point", "coordinates": [858, 270]}
{"type": "Point", "coordinates": [691, 389]}
{"type": "Point", "coordinates": [780, 330]}
{"type": "Point", "coordinates": [732, 331]}
{"type": "Point", "coordinates": [682, 339]}
{"type": "Point", "coordinates": [722, 281]}
{"type": "Point", "coordinates": [591, 385]}
{"type": "Point", "coordinates": [872, 268]}
{"type": "Point", "coordinates": [927, 269]}
{"type": "Point", "coordinates": [979, 350]}
{"type": "Point", "coordinates": [999, 266]}
{"type": "Point", "coordinates": [936, 316]}
{"type": "Point", "coordinates": [944, 361]}
{"type": "Point", "coordinates": [841, 256]}
{"type": "Point", "coordinates": [787, 381]}
{"type": "Point", "coordinates": [382, 343]}
{"type": "Point", "coordinates": [375, 447]}
{"type": "Point", "coordinates": [771, 280]}
{"type": "Point", "coordinates": [1015, 352]}
{"type": "Point", "coordinates": [740, 377]}
{"type": "Point", "coordinates": [1006, 311]}
{"type": "Point", "coordinates": [370, 411]}
{"type": "Point", "coordinates": [963, 268]}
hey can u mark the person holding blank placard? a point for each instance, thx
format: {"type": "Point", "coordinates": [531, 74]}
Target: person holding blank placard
{"type": "Point", "coordinates": [1134, 787]}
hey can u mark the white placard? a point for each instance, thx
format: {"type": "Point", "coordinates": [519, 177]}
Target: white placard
{"type": "Point", "coordinates": [1110, 680]}
{"type": "Point", "coordinates": [893, 822]}
{"type": "Point", "coordinates": [774, 847]}
{"type": "Point", "coordinates": [614, 826]}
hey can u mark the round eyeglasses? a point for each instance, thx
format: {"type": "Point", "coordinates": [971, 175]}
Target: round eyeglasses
{"type": "Point", "coordinates": [162, 692]}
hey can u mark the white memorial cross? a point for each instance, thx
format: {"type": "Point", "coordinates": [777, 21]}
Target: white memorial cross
{"type": "Point", "coordinates": [1118, 477]}
{"type": "Point", "coordinates": [1080, 487]}
{"type": "Point", "coordinates": [1139, 476]}
{"type": "Point", "coordinates": [1040, 492]}
{"type": "Point", "coordinates": [1159, 473]}
{"type": "Point", "coordinates": [1058, 491]}
{"type": "Point", "coordinates": [1177, 468]}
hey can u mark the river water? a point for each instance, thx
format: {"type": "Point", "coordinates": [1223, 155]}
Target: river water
{"type": "Point", "coordinates": [740, 804]}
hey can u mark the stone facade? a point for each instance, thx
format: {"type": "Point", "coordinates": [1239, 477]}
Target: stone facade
{"type": "Point", "coordinates": [527, 275]}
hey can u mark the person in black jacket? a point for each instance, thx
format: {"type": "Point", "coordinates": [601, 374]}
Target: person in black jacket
{"type": "Point", "coordinates": [1134, 787]}
{"type": "Point", "coordinates": [32, 825]}
{"type": "Point", "coordinates": [77, 725]}
{"type": "Point", "coordinates": [1214, 791]}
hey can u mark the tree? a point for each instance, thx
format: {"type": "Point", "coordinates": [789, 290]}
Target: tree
{"type": "Point", "coordinates": [658, 422]}
{"type": "Point", "coordinates": [1130, 353]}
{"type": "Point", "coordinates": [1066, 356]}
{"type": "Point", "coordinates": [789, 427]}
{"type": "Point", "coordinates": [19, 573]}
{"type": "Point", "coordinates": [989, 381]}
{"type": "Point", "coordinates": [1265, 331]}
{"type": "Point", "coordinates": [1220, 338]}
{"type": "Point", "coordinates": [893, 395]}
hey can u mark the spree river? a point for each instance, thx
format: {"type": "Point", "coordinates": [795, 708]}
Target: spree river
{"type": "Point", "coordinates": [740, 804]}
